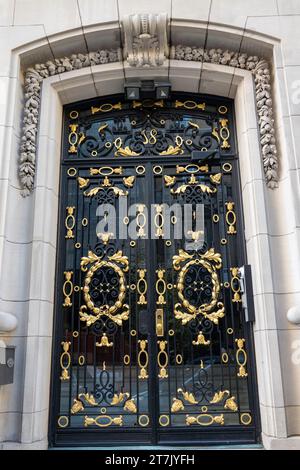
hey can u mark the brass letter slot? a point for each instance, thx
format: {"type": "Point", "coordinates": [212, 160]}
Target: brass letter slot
{"type": "Point", "coordinates": [159, 322]}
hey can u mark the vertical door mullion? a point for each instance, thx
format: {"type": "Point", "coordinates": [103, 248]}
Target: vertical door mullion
{"type": "Point", "coordinates": [152, 262]}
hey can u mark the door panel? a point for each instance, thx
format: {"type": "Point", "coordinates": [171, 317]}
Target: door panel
{"type": "Point", "coordinates": [150, 332]}
{"type": "Point", "coordinates": [200, 385]}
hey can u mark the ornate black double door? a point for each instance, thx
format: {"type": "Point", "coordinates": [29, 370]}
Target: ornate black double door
{"type": "Point", "coordinates": [151, 343]}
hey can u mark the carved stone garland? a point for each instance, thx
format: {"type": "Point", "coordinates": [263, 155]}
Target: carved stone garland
{"type": "Point", "coordinates": [36, 74]}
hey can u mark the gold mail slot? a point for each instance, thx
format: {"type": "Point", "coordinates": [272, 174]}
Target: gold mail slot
{"type": "Point", "coordinates": [159, 322]}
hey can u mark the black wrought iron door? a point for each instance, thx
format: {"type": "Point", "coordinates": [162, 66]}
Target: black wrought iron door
{"type": "Point", "coordinates": [151, 342]}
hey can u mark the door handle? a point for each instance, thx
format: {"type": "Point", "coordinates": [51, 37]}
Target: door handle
{"type": "Point", "coordinates": [159, 322]}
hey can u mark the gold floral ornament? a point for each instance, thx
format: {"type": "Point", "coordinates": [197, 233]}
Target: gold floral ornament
{"type": "Point", "coordinates": [212, 310]}
{"type": "Point", "coordinates": [169, 180]}
{"type": "Point", "coordinates": [216, 178]}
{"type": "Point", "coordinates": [82, 182]}
{"type": "Point", "coordinates": [118, 312]}
{"type": "Point", "coordinates": [106, 183]}
{"type": "Point", "coordinates": [119, 397]}
{"type": "Point", "coordinates": [174, 149]}
{"type": "Point", "coordinates": [130, 406]}
{"type": "Point", "coordinates": [219, 396]}
{"type": "Point", "coordinates": [77, 406]}
{"type": "Point", "coordinates": [188, 396]}
{"type": "Point", "coordinates": [230, 403]}
{"type": "Point", "coordinates": [201, 340]}
{"type": "Point", "coordinates": [89, 398]}
{"type": "Point", "coordinates": [194, 182]}
{"type": "Point", "coordinates": [177, 405]}
{"type": "Point", "coordinates": [129, 181]}
{"type": "Point", "coordinates": [104, 343]}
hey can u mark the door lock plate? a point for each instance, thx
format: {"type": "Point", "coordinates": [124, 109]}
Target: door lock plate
{"type": "Point", "coordinates": [159, 322]}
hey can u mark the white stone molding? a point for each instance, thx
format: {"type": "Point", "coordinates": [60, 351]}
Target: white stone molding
{"type": "Point", "coordinates": [145, 39]}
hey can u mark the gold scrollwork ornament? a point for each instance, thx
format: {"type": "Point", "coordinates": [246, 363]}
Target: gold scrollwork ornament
{"type": "Point", "coordinates": [119, 398]}
{"type": "Point", "coordinates": [219, 396]}
{"type": "Point", "coordinates": [113, 311]}
{"type": "Point", "coordinates": [118, 192]}
{"type": "Point", "coordinates": [141, 220]}
{"type": "Point", "coordinates": [162, 359]}
{"type": "Point", "coordinates": [106, 108]}
{"type": "Point", "coordinates": [106, 171]}
{"type": "Point", "coordinates": [70, 222]}
{"type": "Point", "coordinates": [191, 168]}
{"type": "Point", "coordinates": [103, 421]}
{"type": "Point", "coordinates": [241, 362]}
{"type": "Point", "coordinates": [142, 287]}
{"type": "Point", "coordinates": [143, 364]}
{"type": "Point", "coordinates": [65, 356]}
{"type": "Point", "coordinates": [73, 138]}
{"type": "Point", "coordinates": [159, 220]}
{"type": "Point", "coordinates": [235, 285]}
{"type": "Point", "coordinates": [224, 133]}
{"type": "Point", "coordinates": [188, 396]}
{"type": "Point", "coordinates": [68, 288]}
{"type": "Point", "coordinates": [126, 152]}
{"type": "Point", "coordinates": [230, 218]}
{"type": "Point", "coordinates": [160, 287]}
{"type": "Point", "coordinates": [174, 149]}
{"type": "Point", "coordinates": [204, 419]}
{"type": "Point", "coordinates": [213, 310]}
{"type": "Point", "coordinates": [89, 398]}
{"type": "Point", "coordinates": [194, 183]}
{"type": "Point", "coordinates": [189, 104]}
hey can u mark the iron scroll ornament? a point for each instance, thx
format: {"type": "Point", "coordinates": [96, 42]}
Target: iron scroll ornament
{"type": "Point", "coordinates": [212, 309]}
{"type": "Point", "coordinates": [114, 311]}
{"type": "Point", "coordinates": [144, 135]}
